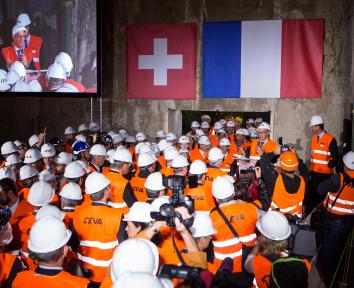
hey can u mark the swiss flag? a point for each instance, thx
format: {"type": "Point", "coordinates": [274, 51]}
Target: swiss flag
{"type": "Point", "coordinates": [161, 61]}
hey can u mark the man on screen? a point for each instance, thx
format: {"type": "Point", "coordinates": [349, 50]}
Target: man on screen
{"type": "Point", "coordinates": [34, 43]}
{"type": "Point", "coordinates": [17, 51]}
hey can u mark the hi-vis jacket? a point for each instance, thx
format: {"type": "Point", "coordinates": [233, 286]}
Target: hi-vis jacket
{"type": "Point", "coordinates": [267, 148]}
{"type": "Point", "coordinates": [321, 154]}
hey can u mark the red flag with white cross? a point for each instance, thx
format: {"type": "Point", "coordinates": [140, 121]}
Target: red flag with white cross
{"type": "Point", "coordinates": [161, 61]}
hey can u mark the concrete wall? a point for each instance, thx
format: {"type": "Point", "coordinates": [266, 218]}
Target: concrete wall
{"type": "Point", "coordinates": [20, 117]}
{"type": "Point", "coordinates": [291, 117]}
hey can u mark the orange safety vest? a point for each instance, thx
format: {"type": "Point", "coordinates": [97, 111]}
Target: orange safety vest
{"type": "Point", "coordinates": [214, 140]}
{"type": "Point", "coordinates": [267, 148]}
{"type": "Point", "coordinates": [63, 279]}
{"type": "Point", "coordinates": [226, 164]}
{"type": "Point", "coordinates": [107, 283]}
{"type": "Point", "coordinates": [117, 186]}
{"type": "Point", "coordinates": [287, 203]}
{"type": "Point", "coordinates": [162, 161]}
{"type": "Point", "coordinates": [195, 154]}
{"type": "Point", "coordinates": [203, 199]}
{"type": "Point", "coordinates": [10, 55]}
{"type": "Point", "coordinates": [23, 210]}
{"type": "Point", "coordinates": [139, 188]}
{"type": "Point", "coordinates": [6, 262]}
{"type": "Point", "coordinates": [97, 228]}
{"type": "Point", "coordinates": [243, 217]}
{"type": "Point", "coordinates": [320, 154]}
{"type": "Point", "coordinates": [23, 193]}
{"type": "Point", "coordinates": [345, 202]}
{"type": "Point", "coordinates": [76, 86]}
{"type": "Point", "coordinates": [262, 268]}
{"type": "Point", "coordinates": [213, 173]}
{"type": "Point", "coordinates": [35, 46]}
{"type": "Point", "coordinates": [167, 252]}
{"type": "Point", "coordinates": [167, 171]}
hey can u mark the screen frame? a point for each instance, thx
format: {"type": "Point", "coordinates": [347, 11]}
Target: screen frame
{"type": "Point", "coordinates": [48, 94]}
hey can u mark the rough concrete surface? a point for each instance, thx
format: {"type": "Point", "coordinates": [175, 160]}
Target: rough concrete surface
{"type": "Point", "coordinates": [290, 117]}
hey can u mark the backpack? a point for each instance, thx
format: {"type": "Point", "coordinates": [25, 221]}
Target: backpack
{"type": "Point", "coordinates": [289, 272]}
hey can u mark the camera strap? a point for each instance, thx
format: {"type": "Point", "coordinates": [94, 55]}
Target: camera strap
{"type": "Point", "coordinates": [179, 255]}
{"type": "Point", "coordinates": [227, 222]}
{"type": "Point", "coordinates": [346, 182]}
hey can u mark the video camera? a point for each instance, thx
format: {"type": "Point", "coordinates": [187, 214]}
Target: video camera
{"type": "Point", "coordinates": [180, 272]}
{"type": "Point", "coordinates": [5, 216]}
{"type": "Point", "coordinates": [167, 212]}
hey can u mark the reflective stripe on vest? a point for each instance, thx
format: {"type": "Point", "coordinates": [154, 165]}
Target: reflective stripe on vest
{"type": "Point", "coordinates": [116, 205]}
{"type": "Point", "coordinates": [98, 244]}
{"type": "Point", "coordinates": [221, 256]}
{"type": "Point", "coordinates": [320, 154]}
{"type": "Point", "coordinates": [94, 262]}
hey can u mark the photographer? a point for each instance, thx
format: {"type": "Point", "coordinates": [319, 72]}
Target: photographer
{"type": "Point", "coordinates": [235, 221]}
{"type": "Point", "coordinates": [286, 189]}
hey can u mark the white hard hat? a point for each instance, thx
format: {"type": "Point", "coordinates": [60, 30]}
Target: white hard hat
{"type": "Point", "coordinates": [63, 158]}
{"type": "Point", "coordinates": [240, 131]}
{"type": "Point", "coordinates": [224, 142]}
{"type": "Point", "coordinates": [35, 86]}
{"type": "Point", "coordinates": [170, 153]}
{"type": "Point", "coordinates": [69, 130]}
{"type": "Point", "coordinates": [231, 124]}
{"type": "Point", "coordinates": [12, 160]}
{"type": "Point", "coordinates": [123, 155]}
{"type": "Point", "coordinates": [348, 160]}
{"type": "Point", "coordinates": [205, 125]}
{"type": "Point", "coordinates": [50, 210]}
{"type": "Point", "coordinates": [130, 139]}
{"type": "Point", "coordinates": [154, 182]}
{"type": "Point", "coordinates": [223, 122]}
{"type": "Point", "coordinates": [204, 140]}
{"type": "Point", "coordinates": [179, 162]}
{"type": "Point", "coordinates": [217, 126]}
{"type": "Point", "coordinates": [202, 225]}
{"type": "Point", "coordinates": [258, 120]}
{"type": "Point", "coordinates": [8, 148]}
{"type": "Point", "coordinates": [137, 280]}
{"type": "Point", "coordinates": [98, 150]}
{"type": "Point", "coordinates": [254, 134]}
{"type": "Point", "coordinates": [4, 85]}
{"type": "Point", "coordinates": [250, 121]}
{"type": "Point", "coordinates": [84, 166]}
{"type": "Point", "coordinates": [263, 125]}
{"type": "Point", "coordinates": [18, 28]}
{"type": "Point", "coordinates": [171, 137]}
{"type": "Point", "coordinates": [74, 170]}
{"type": "Point", "coordinates": [163, 145]}
{"type": "Point", "coordinates": [123, 133]}
{"type": "Point", "coordinates": [94, 127]}
{"type": "Point", "coordinates": [140, 137]}
{"type": "Point", "coordinates": [215, 154]}
{"type": "Point", "coordinates": [71, 191]}
{"type": "Point", "coordinates": [27, 171]}
{"type": "Point", "coordinates": [95, 182]}
{"type": "Point", "coordinates": [81, 138]}
{"type": "Point", "coordinates": [139, 212]}
{"type": "Point", "coordinates": [182, 151]}
{"type": "Point", "coordinates": [205, 116]}
{"type": "Point", "coordinates": [316, 120]}
{"type": "Point", "coordinates": [57, 71]}
{"type": "Point", "coordinates": [110, 154]}
{"type": "Point", "coordinates": [24, 19]}
{"type": "Point", "coordinates": [230, 178]}
{"type": "Point", "coordinates": [65, 60]}
{"type": "Point", "coordinates": [274, 226]}
{"type": "Point", "coordinates": [21, 86]}
{"type": "Point", "coordinates": [245, 131]}
{"type": "Point", "coordinates": [135, 255]}
{"type": "Point", "coordinates": [18, 143]}
{"type": "Point", "coordinates": [222, 188]}
{"type": "Point", "coordinates": [195, 124]}
{"type": "Point", "coordinates": [117, 138]}
{"type": "Point", "coordinates": [146, 159]}
{"type": "Point", "coordinates": [7, 172]}
{"type": "Point", "coordinates": [198, 167]}
{"type": "Point", "coordinates": [183, 140]}
{"type": "Point", "coordinates": [33, 140]}
{"type": "Point", "coordinates": [160, 134]}
{"type": "Point", "coordinates": [146, 149]}
{"type": "Point", "coordinates": [6, 235]}
{"type": "Point", "coordinates": [222, 130]}
{"type": "Point", "coordinates": [158, 202]}
{"type": "Point", "coordinates": [19, 68]}
{"type": "Point", "coordinates": [48, 234]}
{"type": "Point", "coordinates": [32, 155]}
{"type": "Point", "coordinates": [199, 132]}
{"type": "Point", "coordinates": [12, 77]}
{"type": "Point", "coordinates": [48, 150]}
{"type": "Point", "coordinates": [46, 176]}
{"type": "Point", "coordinates": [40, 194]}
{"type": "Point", "coordinates": [82, 127]}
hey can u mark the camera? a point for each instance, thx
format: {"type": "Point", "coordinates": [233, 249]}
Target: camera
{"type": "Point", "coordinates": [5, 216]}
{"type": "Point", "coordinates": [180, 272]}
{"type": "Point", "coordinates": [175, 182]}
{"type": "Point", "coordinates": [248, 170]}
{"type": "Point", "coordinates": [284, 148]}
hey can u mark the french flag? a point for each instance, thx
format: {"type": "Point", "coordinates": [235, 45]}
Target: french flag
{"type": "Point", "coordinates": [263, 59]}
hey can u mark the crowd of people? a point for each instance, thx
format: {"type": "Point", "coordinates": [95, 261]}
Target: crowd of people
{"type": "Point", "coordinates": [212, 208]}
{"type": "Point", "coordinates": [24, 70]}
